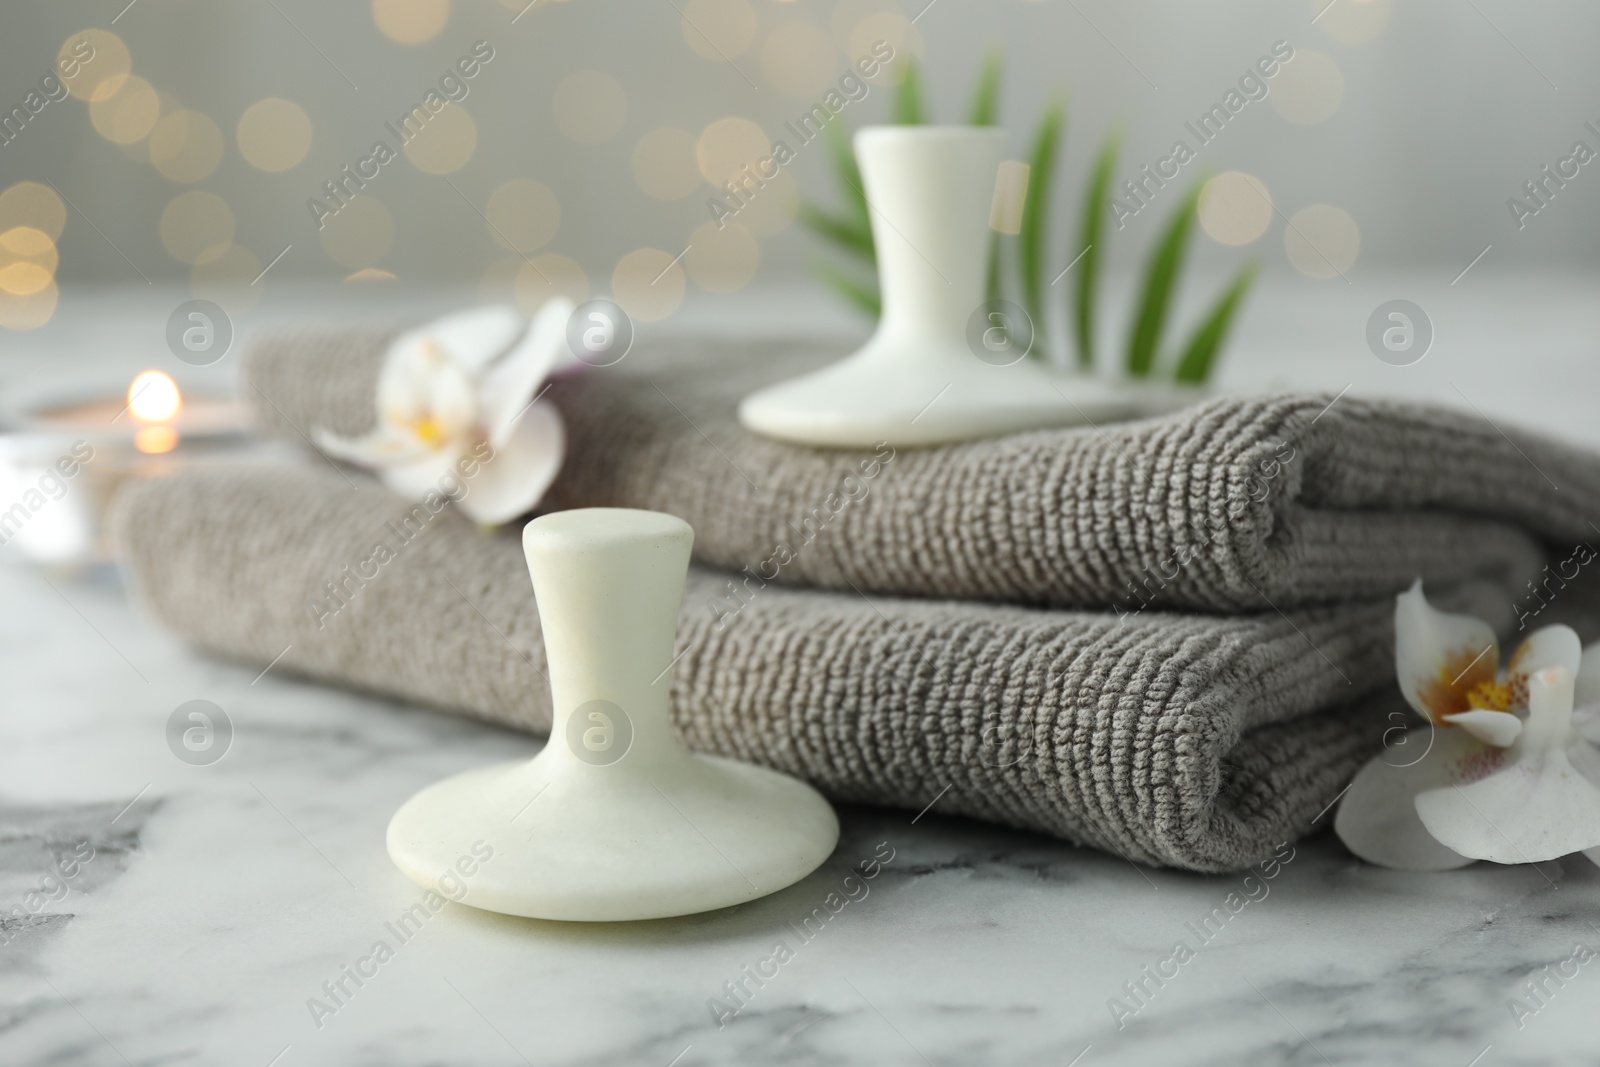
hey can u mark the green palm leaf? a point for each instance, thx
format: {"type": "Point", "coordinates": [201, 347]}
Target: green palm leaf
{"type": "Point", "coordinates": [848, 174]}
{"type": "Point", "coordinates": [847, 233]}
{"type": "Point", "coordinates": [986, 93]}
{"type": "Point", "coordinates": [1161, 279]}
{"type": "Point", "coordinates": [850, 229]}
{"type": "Point", "coordinates": [993, 289]}
{"type": "Point", "coordinates": [1035, 215]}
{"type": "Point", "coordinates": [1087, 255]}
{"type": "Point", "coordinates": [862, 294]}
{"type": "Point", "coordinates": [1196, 363]}
{"type": "Point", "coordinates": [983, 112]}
{"type": "Point", "coordinates": [908, 110]}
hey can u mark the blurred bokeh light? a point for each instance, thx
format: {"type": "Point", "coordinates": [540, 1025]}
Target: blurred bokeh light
{"type": "Point", "coordinates": [1322, 241]}
{"type": "Point", "coordinates": [274, 134]}
{"type": "Point", "coordinates": [1235, 208]}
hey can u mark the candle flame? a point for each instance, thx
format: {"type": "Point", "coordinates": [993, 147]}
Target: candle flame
{"type": "Point", "coordinates": [154, 397]}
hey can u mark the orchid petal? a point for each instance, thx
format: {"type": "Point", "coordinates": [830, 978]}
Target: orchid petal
{"type": "Point", "coordinates": [1538, 806]}
{"type": "Point", "coordinates": [420, 386]}
{"type": "Point", "coordinates": [1533, 810]}
{"type": "Point", "coordinates": [1496, 728]}
{"type": "Point", "coordinates": [1549, 710]}
{"type": "Point", "coordinates": [1548, 646]}
{"type": "Point", "coordinates": [522, 469]}
{"type": "Point", "coordinates": [426, 474]}
{"type": "Point", "coordinates": [1377, 818]}
{"type": "Point", "coordinates": [1439, 657]}
{"type": "Point", "coordinates": [1585, 759]}
{"type": "Point", "coordinates": [1586, 690]}
{"type": "Point", "coordinates": [473, 339]}
{"type": "Point", "coordinates": [380, 447]}
{"type": "Point", "coordinates": [1586, 695]}
{"type": "Point", "coordinates": [1586, 721]}
{"type": "Point", "coordinates": [513, 382]}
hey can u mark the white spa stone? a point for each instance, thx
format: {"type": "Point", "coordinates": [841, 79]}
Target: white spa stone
{"type": "Point", "coordinates": [614, 819]}
{"type": "Point", "coordinates": [918, 380]}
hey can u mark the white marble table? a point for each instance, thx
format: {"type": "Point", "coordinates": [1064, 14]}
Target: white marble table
{"type": "Point", "coordinates": [219, 900]}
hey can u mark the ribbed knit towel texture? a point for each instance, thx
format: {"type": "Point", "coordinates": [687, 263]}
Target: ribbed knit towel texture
{"type": "Point", "coordinates": [1237, 562]}
{"type": "Point", "coordinates": [1237, 504]}
{"type": "Point", "coordinates": [1193, 741]}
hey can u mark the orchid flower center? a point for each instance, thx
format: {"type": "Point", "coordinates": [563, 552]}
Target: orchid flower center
{"type": "Point", "coordinates": [428, 397]}
{"type": "Point", "coordinates": [1490, 695]}
{"type": "Point", "coordinates": [429, 430]}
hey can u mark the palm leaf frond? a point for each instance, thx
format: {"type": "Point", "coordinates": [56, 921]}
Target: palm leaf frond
{"type": "Point", "coordinates": [847, 233]}
{"type": "Point", "coordinates": [1031, 238]}
{"type": "Point", "coordinates": [908, 109]}
{"type": "Point", "coordinates": [863, 295]}
{"type": "Point", "coordinates": [1160, 282]}
{"type": "Point", "coordinates": [847, 172]}
{"type": "Point", "coordinates": [985, 107]}
{"type": "Point", "coordinates": [1195, 366]}
{"type": "Point", "coordinates": [1087, 255]}
{"type": "Point", "coordinates": [994, 289]}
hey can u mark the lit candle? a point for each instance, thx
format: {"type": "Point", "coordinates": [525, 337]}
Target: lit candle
{"type": "Point", "coordinates": [64, 451]}
{"type": "Point", "coordinates": [154, 400]}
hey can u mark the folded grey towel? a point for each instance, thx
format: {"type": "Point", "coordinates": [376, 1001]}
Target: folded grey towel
{"type": "Point", "coordinates": [1187, 740]}
{"type": "Point", "coordinates": [1236, 504]}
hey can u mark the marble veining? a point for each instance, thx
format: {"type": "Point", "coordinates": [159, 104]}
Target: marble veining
{"type": "Point", "coordinates": [221, 898]}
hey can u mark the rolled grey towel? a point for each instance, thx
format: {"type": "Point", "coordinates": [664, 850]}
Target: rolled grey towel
{"type": "Point", "coordinates": [1194, 741]}
{"type": "Point", "coordinates": [1236, 504]}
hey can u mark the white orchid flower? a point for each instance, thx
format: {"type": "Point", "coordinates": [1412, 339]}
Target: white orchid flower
{"type": "Point", "coordinates": [1541, 804]}
{"type": "Point", "coordinates": [455, 385]}
{"type": "Point", "coordinates": [1507, 773]}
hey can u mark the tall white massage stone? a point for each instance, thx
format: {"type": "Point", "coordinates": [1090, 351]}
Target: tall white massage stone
{"type": "Point", "coordinates": [930, 373]}
{"type": "Point", "coordinates": [614, 819]}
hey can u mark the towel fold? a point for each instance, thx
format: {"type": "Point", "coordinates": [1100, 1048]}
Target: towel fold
{"type": "Point", "coordinates": [1238, 561]}
{"type": "Point", "coordinates": [1196, 741]}
{"type": "Point", "coordinates": [1237, 504]}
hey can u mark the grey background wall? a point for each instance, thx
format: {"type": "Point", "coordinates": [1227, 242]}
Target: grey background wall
{"type": "Point", "coordinates": [1427, 116]}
